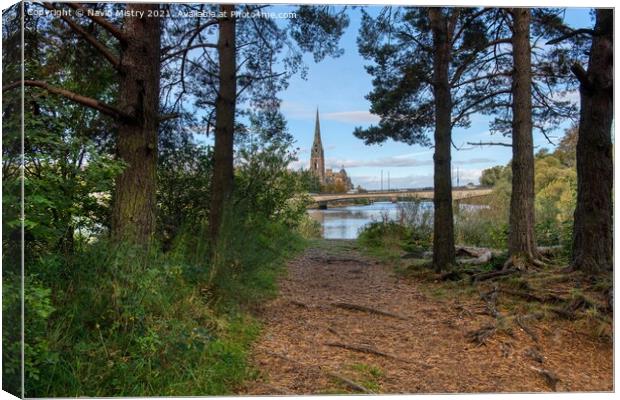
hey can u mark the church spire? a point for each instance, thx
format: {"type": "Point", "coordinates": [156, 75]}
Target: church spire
{"type": "Point", "coordinates": [317, 158]}
{"type": "Point", "coordinates": [317, 129]}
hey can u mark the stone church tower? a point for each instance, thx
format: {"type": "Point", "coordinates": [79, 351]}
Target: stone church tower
{"type": "Point", "coordinates": [317, 158]}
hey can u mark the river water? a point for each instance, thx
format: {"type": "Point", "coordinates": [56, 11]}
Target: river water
{"type": "Point", "coordinates": [346, 222]}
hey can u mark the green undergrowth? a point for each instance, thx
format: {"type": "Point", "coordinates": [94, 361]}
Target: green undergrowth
{"type": "Point", "coordinates": [369, 376]}
{"type": "Point", "coordinates": [365, 375]}
{"type": "Point", "coordinates": [387, 241]}
{"type": "Point", "coordinates": [119, 321]}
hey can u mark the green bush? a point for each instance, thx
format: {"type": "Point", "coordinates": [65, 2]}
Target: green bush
{"type": "Point", "coordinates": [419, 221]}
{"type": "Point", "coordinates": [125, 323]}
{"type": "Point", "coordinates": [385, 235]}
{"type": "Point", "coordinates": [481, 226]}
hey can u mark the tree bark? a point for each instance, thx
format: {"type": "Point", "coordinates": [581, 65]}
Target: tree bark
{"type": "Point", "coordinates": [593, 226]}
{"type": "Point", "coordinates": [223, 173]}
{"type": "Point", "coordinates": [133, 213]}
{"type": "Point", "coordinates": [521, 239]}
{"type": "Point", "coordinates": [443, 229]}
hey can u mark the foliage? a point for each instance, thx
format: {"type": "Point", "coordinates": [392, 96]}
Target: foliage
{"type": "Point", "coordinates": [335, 187]}
{"type": "Point", "coordinates": [555, 188]}
{"type": "Point", "coordinates": [399, 45]}
{"type": "Point", "coordinates": [483, 226]}
{"type": "Point", "coordinates": [135, 325]}
{"type": "Point", "coordinates": [184, 184]}
{"type": "Point", "coordinates": [265, 187]}
{"type": "Point", "coordinates": [418, 218]}
{"type": "Point", "coordinates": [411, 232]}
{"type": "Point", "coordinates": [384, 237]}
{"type": "Point", "coordinates": [491, 176]}
{"type": "Point", "coordinates": [172, 318]}
{"type": "Point", "coordinates": [317, 30]}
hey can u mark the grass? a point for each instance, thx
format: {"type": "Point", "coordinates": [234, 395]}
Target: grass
{"type": "Point", "coordinates": [369, 376]}
{"type": "Point", "coordinates": [125, 323]}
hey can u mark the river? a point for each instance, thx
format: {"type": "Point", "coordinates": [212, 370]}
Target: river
{"type": "Point", "coordinates": [346, 222]}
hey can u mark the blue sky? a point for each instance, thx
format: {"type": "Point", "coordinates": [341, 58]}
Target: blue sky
{"type": "Point", "coordinates": [338, 88]}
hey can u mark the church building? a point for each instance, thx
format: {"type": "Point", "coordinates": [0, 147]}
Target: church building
{"type": "Point", "coordinates": [327, 177]}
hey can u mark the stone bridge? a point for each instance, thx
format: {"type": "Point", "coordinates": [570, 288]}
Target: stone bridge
{"type": "Point", "coordinates": [394, 195]}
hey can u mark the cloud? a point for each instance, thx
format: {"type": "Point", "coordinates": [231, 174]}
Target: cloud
{"type": "Point", "coordinates": [414, 180]}
{"type": "Point", "coordinates": [410, 181]}
{"type": "Point", "coordinates": [405, 160]}
{"type": "Point", "coordinates": [468, 175]}
{"type": "Point", "coordinates": [479, 160]}
{"type": "Point", "coordinates": [296, 110]}
{"type": "Point", "coordinates": [395, 161]}
{"type": "Point", "coordinates": [300, 111]}
{"type": "Point", "coordinates": [358, 117]}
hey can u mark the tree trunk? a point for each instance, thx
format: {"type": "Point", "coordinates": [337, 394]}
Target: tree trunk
{"type": "Point", "coordinates": [593, 229]}
{"type": "Point", "coordinates": [521, 240]}
{"type": "Point", "coordinates": [443, 230]}
{"type": "Point", "coordinates": [223, 173]}
{"type": "Point", "coordinates": [133, 214]}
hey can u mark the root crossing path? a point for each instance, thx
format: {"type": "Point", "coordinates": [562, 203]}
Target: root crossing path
{"type": "Point", "coordinates": [344, 323]}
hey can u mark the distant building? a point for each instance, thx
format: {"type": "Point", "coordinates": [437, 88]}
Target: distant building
{"type": "Point", "coordinates": [328, 178]}
{"type": "Point", "coordinates": [317, 157]}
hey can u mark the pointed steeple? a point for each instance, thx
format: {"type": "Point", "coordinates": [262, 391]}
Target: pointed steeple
{"type": "Point", "coordinates": [317, 159]}
{"type": "Point", "coordinates": [317, 129]}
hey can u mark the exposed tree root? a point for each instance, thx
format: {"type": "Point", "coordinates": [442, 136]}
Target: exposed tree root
{"type": "Point", "coordinates": [551, 378]}
{"type": "Point", "coordinates": [522, 322]}
{"type": "Point", "coordinates": [347, 381]}
{"type": "Point", "coordinates": [356, 307]}
{"type": "Point", "coordinates": [535, 355]}
{"type": "Point", "coordinates": [493, 274]}
{"type": "Point", "coordinates": [524, 262]}
{"type": "Point", "coordinates": [481, 335]}
{"type": "Point", "coordinates": [490, 300]}
{"type": "Point", "coordinates": [366, 349]}
{"type": "Point", "coordinates": [452, 275]}
{"type": "Point", "coordinates": [299, 304]}
{"type": "Point", "coordinates": [564, 313]}
{"type": "Point", "coordinates": [335, 332]}
{"type": "Point", "coordinates": [542, 298]}
{"type": "Point", "coordinates": [462, 311]}
{"type": "Point", "coordinates": [478, 256]}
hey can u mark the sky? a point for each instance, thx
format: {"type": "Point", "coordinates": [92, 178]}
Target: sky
{"type": "Point", "coordinates": [338, 86]}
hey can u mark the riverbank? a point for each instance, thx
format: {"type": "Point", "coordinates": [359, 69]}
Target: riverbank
{"type": "Point", "coordinates": [347, 323]}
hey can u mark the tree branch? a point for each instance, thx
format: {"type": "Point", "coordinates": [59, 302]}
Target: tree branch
{"type": "Point", "coordinates": [572, 33]}
{"type": "Point", "coordinates": [167, 117]}
{"type": "Point", "coordinates": [466, 110]}
{"type": "Point", "coordinates": [103, 49]}
{"type": "Point", "coordinates": [83, 100]}
{"type": "Point", "coordinates": [104, 23]}
{"type": "Point", "coordinates": [581, 75]}
{"type": "Point", "coordinates": [489, 144]}
{"type": "Point", "coordinates": [186, 49]}
{"type": "Point", "coordinates": [467, 22]}
{"type": "Point", "coordinates": [484, 77]}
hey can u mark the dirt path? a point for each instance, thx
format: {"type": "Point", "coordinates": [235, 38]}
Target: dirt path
{"type": "Point", "coordinates": [425, 351]}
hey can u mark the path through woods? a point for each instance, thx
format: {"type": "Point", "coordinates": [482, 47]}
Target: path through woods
{"type": "Point", "coordinates": [344, 323]}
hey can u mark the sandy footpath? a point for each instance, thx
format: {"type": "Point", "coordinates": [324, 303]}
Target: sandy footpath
{"type": "Point", "coordinates": [339, 315]}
